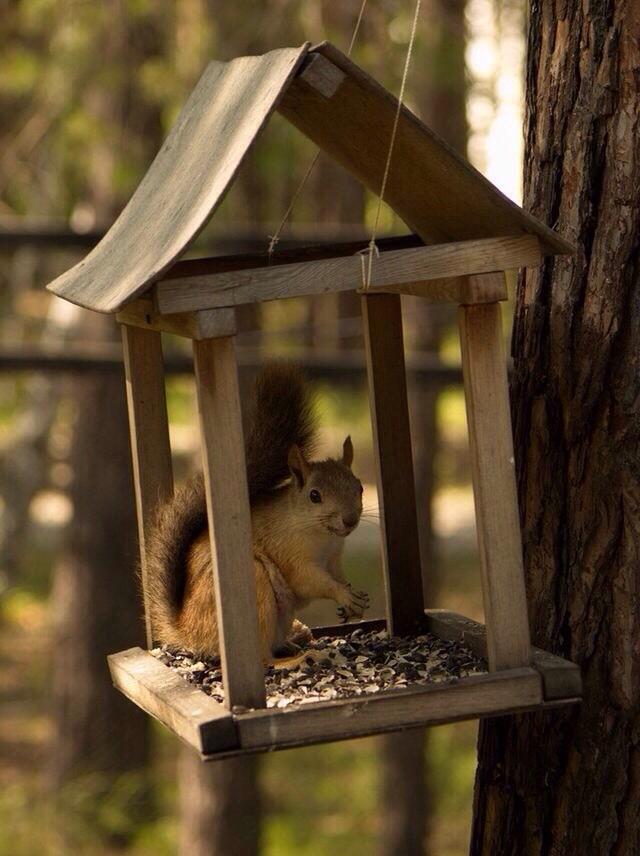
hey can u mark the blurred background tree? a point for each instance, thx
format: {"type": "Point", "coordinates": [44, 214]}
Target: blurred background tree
{"type": "Point", "coordinates": [87, 92]}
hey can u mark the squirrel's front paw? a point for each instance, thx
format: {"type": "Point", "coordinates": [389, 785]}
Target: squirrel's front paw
{"type": "Point", "coordinates": [353, 604]}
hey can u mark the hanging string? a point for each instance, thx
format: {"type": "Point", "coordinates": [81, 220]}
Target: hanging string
{"type": "Point", "coordinates": [356, 29]}
{"type": "Point", "coordinates": [273, 239]}
{"type": "Point", "coordinates": [372, 249]}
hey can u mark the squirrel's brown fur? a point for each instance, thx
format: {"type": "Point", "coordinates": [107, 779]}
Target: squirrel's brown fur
{"type": "Point", "coordinates": [297, 538]}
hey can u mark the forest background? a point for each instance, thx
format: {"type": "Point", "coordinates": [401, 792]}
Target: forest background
{"type": "Point", "coordinates": [87, 93]}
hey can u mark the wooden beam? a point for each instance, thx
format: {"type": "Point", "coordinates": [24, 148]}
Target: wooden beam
{"type": "Point", "coordinates": [432, 188]}
{"type": "Point", "coordinates": [149, 429]}
{"type": "Point", "coordinates": [560, 678]}
{"type": "Point", "coordinates": [396, 271]}
{"type": "Point", "coordinates": [484, 369]}
{"type": "Point", "coordinates": [229, 521]}
{"type": "Point", "coordinates": [208, 324]}
{"type": "Point", "coordinates": [475, 288]}
{"type": "Point", "coordinates": [468, 698]}
{"type": "Point", "coordinates": [382, 317]}
{"type": "Point", "coordinates": [366, 626]}
{"type": "Point", "coordinates": [287, 256]}
{"type": "Point", "coordinates": [164, 694]}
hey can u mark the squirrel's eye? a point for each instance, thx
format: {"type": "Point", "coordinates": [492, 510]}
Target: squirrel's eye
{"type": "Point", "coordinates": [314, 496]}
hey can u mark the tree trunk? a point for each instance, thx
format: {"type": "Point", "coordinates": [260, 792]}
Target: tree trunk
{"type": "Point", "coordinates": [568, 782]}
{"type": "Point", "coordinates": [95, 593]}
{"type": "Point", "coordinates": [405, 791]}
{"type": "Point", "coordinates": [404, 796]}
{"type": "Point", "coordinates": [220, 807]}
{"type": "Point", "coordinates": [95, 598]}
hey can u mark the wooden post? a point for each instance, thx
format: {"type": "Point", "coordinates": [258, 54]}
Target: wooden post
{"type": "Point", "coordinates": [229, 521]}
{"type": "Point", "coordinates": [494, 485]}
{"type": "Point", "coordinates": [382, 318]}
{"type": "Point", "coordinates": [149, 428]}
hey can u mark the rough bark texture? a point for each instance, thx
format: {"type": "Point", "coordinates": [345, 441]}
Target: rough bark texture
{"type": "Point", "coordinates": [568, 782]}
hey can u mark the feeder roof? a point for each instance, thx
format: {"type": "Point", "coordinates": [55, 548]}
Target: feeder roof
{"type": "Point", "coordinates": [334, 103]}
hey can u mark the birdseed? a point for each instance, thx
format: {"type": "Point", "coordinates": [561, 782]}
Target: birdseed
{"type": "Point", "coordinates": [347, 666]}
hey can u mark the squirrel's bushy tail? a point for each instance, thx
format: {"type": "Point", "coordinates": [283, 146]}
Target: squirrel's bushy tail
{"type": "Point", "coordinates": [280, 416]}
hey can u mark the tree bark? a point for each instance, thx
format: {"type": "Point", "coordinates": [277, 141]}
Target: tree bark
{"type": "Point", "coordinates": [568, 782]}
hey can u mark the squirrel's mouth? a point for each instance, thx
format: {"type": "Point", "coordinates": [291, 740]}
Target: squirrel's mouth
{"type": "Point", "coordinates": [341, 533]}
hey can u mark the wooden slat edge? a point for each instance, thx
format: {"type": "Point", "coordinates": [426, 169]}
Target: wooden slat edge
{"type": "Point", "coordinates": [372, 624]}
{"type": "Point", "coordinates": [388, 402]}
{"type": "Point", "coordinates": [257, 750]}
{"type": "Point", "coordinates": [486, 389]}
{"type": "Point", "coordinates": [292, 255]}
{"type": "Point", "coordinates": [474, 288]}
{"type": "Point", "coordinates": [431, 271]}
{"type": "Point", "coordinates": [191, 714]}
{"type": "Point", "coordinates": [560, 678]}
{"type": "Point", "coordinates": [208, 324]}
{"type": "Point", "coordinates": [483, 695]}
{"type": "Point", "coordinates": [149, 439]}
{"type": "Point", "coordinates": [229, 519]}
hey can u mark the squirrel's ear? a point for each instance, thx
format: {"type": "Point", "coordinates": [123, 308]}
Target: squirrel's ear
{"type": "Point", "coordinates": [347, 452]}
{"type": "Point", "coordinates": [298, 465]}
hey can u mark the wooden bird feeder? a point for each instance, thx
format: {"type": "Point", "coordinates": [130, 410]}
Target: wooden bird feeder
{"type": "Point", "coordinates": [466, 235]}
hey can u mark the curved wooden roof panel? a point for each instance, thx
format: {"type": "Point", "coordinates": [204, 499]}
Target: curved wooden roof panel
{"type": "Point", "coordinates": [338, 106]}
{"type": "Point", "coordinates": [185, 183]}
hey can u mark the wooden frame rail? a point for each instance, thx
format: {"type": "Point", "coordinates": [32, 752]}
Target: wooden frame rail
{"type": "Point", "coordinates": [438, 273]}
{"type": "Point", "coordinates": [208, 324]}
{"type": "Point", "coordinates": [149, 430]}
{"type": "Point", "coordinates": [484, 371]}
{"type": "Point", "coordinates": [384, 347]}
{"type": "Point", "coordinates": [229, 515]}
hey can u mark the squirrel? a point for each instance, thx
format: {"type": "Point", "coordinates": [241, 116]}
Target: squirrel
{"type": "Point", "coordinates": [301, 512]}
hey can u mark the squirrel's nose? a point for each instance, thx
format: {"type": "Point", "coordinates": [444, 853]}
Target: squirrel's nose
{"type": "Point", "coordinates": [350, 520]}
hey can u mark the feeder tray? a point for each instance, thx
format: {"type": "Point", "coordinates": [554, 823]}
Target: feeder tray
{"type": "Point", "coordinates": [216, 732]}
{"type": "Point", "coordinates": [467, 235]}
